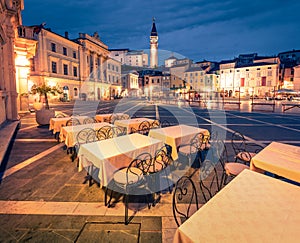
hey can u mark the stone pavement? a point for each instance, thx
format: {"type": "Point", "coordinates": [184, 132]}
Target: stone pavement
{"type": "Point", "coordinates": [43, 197]}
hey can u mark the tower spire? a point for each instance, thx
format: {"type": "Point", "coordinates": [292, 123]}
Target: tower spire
{"type": "Point", "coordinates": [153, 45]}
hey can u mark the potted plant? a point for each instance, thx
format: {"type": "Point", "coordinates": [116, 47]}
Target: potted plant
{"type": "Point", "coordinates": [43, 114]}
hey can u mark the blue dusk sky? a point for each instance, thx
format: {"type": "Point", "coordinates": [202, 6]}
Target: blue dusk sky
{"type": "Point", "coordinates": [197, 29]}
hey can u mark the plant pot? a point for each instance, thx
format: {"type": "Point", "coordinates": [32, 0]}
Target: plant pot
{"type": "Point", "coordinates": [43, 116]}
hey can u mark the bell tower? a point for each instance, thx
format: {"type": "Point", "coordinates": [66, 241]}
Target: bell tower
{"type": "Point", "coordinates": [153, 46]}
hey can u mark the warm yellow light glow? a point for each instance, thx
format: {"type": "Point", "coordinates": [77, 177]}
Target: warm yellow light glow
{"type": "Point", "coordinates": [24, 72]}
{"type": "Point", "coordinates": [51, 83]}
{"type": "Point", "coordinates": [30, 84]}
{"type": "Point", "coordinates": [21, 61]}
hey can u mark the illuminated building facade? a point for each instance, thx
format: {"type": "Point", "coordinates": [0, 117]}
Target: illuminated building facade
{"type": "Point", "coordinates": [10, 18]}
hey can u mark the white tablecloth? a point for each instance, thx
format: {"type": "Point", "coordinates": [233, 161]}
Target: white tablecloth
{"type": "Point", "coordinates": [251, 208]}
{"type": "Point", "coordinates": [176, 135]}
{"type": "Point", "coordinates": [132, 123]}
{"type": "Point", "coordinates": [69, 133]}
{"type": "Point", "coordinates": [105, 117]}
{"type": "Point", "coordinates": [280, 159]}
{"type": "Point", "coordinates": [112, 154]}
{"type": "Point", "coordinates": [57, 123]}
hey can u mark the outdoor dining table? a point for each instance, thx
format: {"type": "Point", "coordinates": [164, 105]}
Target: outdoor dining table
{"type": "Point", "coordinates": [252, 208]}
{"type": "Point", "coordinates": [112, 154]}
{"type": "Point", "coordinates": [280, 159]}
{"type": "Point", "coordinates": [106, 117]}
{"type": "Point", "coordinates": [176, 135]}
{"type": "Point", "coordinates": [68, 134]}
{"type": "Point", "coordinates": [57, 123]}
{"type": "Point", "coordinates": [133, 123]}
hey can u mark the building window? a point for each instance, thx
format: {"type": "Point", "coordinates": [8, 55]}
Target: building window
{"type": "Point", "coordinates": [242, 82]}
{"type": "Point", "coordinates": [54, 67]}
{"type": "Point", "coordinates": [75, 71]}
{"type": "Point", "coordinates": [263, 81]}
{"type": "Point", "coordinates": [74, 54]}
{"type": "Point", "coordinates": [53, 47]}
{"type": "Point", "coordinates": [32, 64]}
{"type": "Point", "coordinates": [270, 74]}
{"type": "Point", "coordinates": [75, 92]}
{"type": "Point", "coordinates": [108, 66]}
{"type": "Point", "coordinates": [117, 69]}
{"type": "Point", "coordinates": [65, 52]}
{"type": "Point", "coordinates": [65, 66]}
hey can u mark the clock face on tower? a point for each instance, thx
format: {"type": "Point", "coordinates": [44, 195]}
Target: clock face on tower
{"type": "Point", "coordinates": [153, 40]}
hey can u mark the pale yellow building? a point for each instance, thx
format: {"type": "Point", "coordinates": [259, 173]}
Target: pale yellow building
{"type": "Point", "coordinates": [256, 76]}
{"type": "Point", "coordinates": [56, 63]}
{"type": "Point", "coordinates": [130, 84]}
{"type": "Point", "coordinates": [113, 73]}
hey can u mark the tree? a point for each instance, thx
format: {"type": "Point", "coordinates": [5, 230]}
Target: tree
{"type": "Point", "coordinates": [44, 90]}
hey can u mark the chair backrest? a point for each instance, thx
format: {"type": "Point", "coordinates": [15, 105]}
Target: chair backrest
{"type": "Point", "coordinates": [73, 122]}
{"type": "Point", "coordinates": [89, 120]}
{"type": "Point", "coordinates": [86, 135]}
{"type": "Point", "coordinates": [238, 142]}
{"type": "Point", "coordinates": [60, 115]}
{"type": "Point", "coordinates": [162, 159]}
{"type": "Point", "coordinates": [155, 124]}
{"type": "Point", "coordinates": [137, 168]}
{"type": "Point", "coordinates": [210, 183]}
{"type": "Point", "coordinates": [144, 127]}
{"type": "Point", "coordinates": [165, 123]}
{"type": "Point", "coordinates": [185, 201]}
{"type": "Point", "coordinates": [197, 143]}
{"type": "Point", "coordinates": [104, 132]}
{"type": "Point", "coordinates": [119, 131]}
{"type": "Point", "coordinates": [113, 118]}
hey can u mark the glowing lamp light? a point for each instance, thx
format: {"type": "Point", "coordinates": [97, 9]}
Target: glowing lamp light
{"type": "Point", "coordinates": [21, 61]}
{"type": "Point", "coordinates": [51, 83]}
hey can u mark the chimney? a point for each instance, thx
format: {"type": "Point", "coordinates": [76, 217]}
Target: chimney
{"type": "Point", "coordinates": [67, 34]}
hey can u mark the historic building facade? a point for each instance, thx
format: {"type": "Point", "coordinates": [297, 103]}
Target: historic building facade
{"type": "Point", "coordinates": [249, 75]}
{"type": "Point", "coordinates": [10, 19]}
{"type": "Point", "coordinates": [136, 58]}
{"type": "Point", "coordinates": [56, 63]}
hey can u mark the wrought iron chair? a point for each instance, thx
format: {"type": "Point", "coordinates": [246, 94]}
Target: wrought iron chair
{"type": "Point", "coordinates": [104, 132]}
{"type": "Point", "coordinates": [89, 120]}
{"type": "Point", "coordinates": [159, 171]}
{"type": "Point", "coordinates": [86, 135]}
{"type": "Point", "coordinates": [60, 115]}
{"type": "Point", "coordinates": [165, 123]}
{"type": "Point", "coordinates": [230, 168]}
{"type": "Point", "coordinates": [194, 149]}
{"type": "Point", "coordinates": [131, 181]}
{"type": "Point", "coordinates": [210, 183]}
{"type": "Point", "coordinates": [185, 200]}
{"type": "Point", "coordinates": [155, 124]}
{"type": "Point", "coordinates": [242, 150]}
{"type": "Point", "coordinates": [73, 122]}
{"type": "Point", "coordinates": [143, 128]}
{"type": "Point", "coordinates": [118, 131]}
